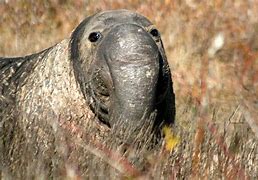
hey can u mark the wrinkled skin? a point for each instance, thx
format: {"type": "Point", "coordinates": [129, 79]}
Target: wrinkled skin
{"type": "Point", "coordinates": [112, 72]}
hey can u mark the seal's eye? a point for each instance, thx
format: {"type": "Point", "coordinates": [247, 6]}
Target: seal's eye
{"type": "Point", "coordinates": [94, 36]}
{"type": "Point", "coordinates": [154, 33]}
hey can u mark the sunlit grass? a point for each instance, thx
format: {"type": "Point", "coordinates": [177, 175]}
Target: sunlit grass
{"type": "Point", "coordinates": [171, 139]}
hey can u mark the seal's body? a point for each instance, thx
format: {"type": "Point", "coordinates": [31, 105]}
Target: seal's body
{"type": "Point", "coordinates": [111, 78]}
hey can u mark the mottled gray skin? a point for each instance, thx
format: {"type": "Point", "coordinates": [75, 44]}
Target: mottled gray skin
{"type": "Point", "coordinates": [119, 84]}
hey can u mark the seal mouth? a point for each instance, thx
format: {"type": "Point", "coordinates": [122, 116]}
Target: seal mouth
{"type": "Point", "coordinates": [100, 98]}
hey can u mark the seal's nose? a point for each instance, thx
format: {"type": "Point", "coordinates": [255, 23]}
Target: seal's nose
{"type": "Point", "coordinates": [129, 42]}
{"type": "Point", "coordinates": [133, 60]}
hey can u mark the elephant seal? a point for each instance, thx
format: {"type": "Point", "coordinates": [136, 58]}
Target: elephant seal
{"type": "Point", "coordinates": [110, 79]}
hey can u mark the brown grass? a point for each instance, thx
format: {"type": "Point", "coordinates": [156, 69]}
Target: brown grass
{"type": "Point", "coordinates": [212, 48]}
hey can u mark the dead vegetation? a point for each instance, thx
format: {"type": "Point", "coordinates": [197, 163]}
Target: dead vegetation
{"type": "Point", "coordinates": [212, 47]}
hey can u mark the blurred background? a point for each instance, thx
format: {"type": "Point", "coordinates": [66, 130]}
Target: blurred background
{"type": "Point", "coordinates": [220, 37]}
{"type": "Point", "coordinates": [212, 48]}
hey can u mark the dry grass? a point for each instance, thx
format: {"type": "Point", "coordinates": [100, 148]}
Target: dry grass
{"type": "Point", "coordinates": [212, 47]}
